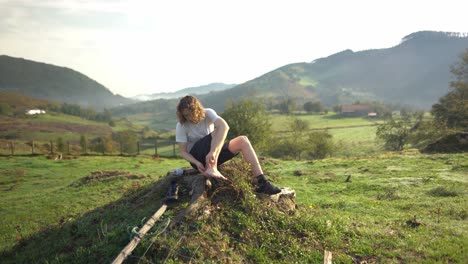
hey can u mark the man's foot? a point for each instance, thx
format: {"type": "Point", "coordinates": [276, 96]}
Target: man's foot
{"type": "Point", "coordinates": [214, 173]}
{"type": "Point", "coordinates": [171, 195]}
{"type": "Point", "coordinates": [265, 186]}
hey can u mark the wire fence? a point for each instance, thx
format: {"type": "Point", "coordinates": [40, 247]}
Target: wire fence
{"type": "Point", "coordinates": [150, 147]}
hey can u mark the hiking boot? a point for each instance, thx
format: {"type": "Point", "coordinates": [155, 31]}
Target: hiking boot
{"type": "Point", "coordinates": [171, 195]}
{"type": "Point", "coordinates": [265, 186]}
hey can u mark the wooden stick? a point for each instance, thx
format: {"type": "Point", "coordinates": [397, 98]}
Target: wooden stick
{"type": "Point", "coordinates": [327, 257]}
{"type": "Point", "coordinates": [132, 244]}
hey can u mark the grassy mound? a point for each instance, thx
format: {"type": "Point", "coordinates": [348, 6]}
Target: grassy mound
{"type": "Point", "coordinates": [236, 227]}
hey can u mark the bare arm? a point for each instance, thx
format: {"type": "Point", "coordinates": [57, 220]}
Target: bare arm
{"type": "Point", "coordinates": [218, 136]}
{"type": "Point", "coordinates": [188, 157]}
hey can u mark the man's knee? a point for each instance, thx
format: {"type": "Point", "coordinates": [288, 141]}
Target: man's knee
{"type": "Point", "coordinates": [244, 140]}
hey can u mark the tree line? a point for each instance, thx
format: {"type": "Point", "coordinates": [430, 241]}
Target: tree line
{"type": "Point", "coordinates": [86, 113]}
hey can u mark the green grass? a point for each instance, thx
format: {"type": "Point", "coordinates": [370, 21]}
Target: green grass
{"type": "Point", "coordinates": [330, 120]}
{"type": "Point", "coordinates": [383, 196]}
{"type": "Point", "coordinates": [37, 193]}
{"type": "Point", "coordinates": [356, 141]}
{"type": "Point", "coordinates": [160, 122]}
{"type": "Point", "coordinates": [353, 136]}
{"type": "Point", "coordinates": [395, 208]}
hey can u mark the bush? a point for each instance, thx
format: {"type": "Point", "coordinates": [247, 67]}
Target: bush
{"type": "Point", "coordinates": [313, 145]}
{"type": "Point", "coordinates": [249, 118]}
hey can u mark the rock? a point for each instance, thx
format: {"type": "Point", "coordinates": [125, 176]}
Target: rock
{"type": "Point", "coordinates": [285, 201]}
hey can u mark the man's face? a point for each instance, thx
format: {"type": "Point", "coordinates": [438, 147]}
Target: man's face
{"type": "Point", "coordinates": [187, 113]}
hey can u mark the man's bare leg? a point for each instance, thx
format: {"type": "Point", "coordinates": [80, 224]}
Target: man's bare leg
{"type": "Point", "coordinates": [243, 145]}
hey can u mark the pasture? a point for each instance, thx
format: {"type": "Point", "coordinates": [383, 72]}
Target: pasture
{"type": "Point", "coordinates": [391, 207]}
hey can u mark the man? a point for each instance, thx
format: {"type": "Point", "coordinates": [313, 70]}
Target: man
{"type": "Point", "coordinates": [201, 133]}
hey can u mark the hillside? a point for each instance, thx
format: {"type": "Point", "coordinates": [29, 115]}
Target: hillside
{"type": "Point", "coordinates": [46, 81]}
{"type": "Point", "coordinates": [416, 72]}
{"type": "Point", "coordinates": [18, 103]}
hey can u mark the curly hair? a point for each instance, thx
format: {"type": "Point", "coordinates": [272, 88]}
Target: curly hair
{"type": "Point", "coordinates": [197, 112]}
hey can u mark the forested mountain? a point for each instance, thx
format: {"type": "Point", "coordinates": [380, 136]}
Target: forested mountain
{"type": "Point", "coordinates": [46, 81]}
{"type": "Point", "coordinates": [415, 72]}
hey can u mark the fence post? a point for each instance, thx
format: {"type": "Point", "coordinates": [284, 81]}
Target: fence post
{"type": "Point", "coordinates": [156, 147]}
{"type": "Point", "coordinates": [32, 147]}
{"type": "Point", "coordinates": [51, 147]}
{"type": "Point", "coordinates": [138, 147]}
{"type": "Point", "coordinates": [12, 148]}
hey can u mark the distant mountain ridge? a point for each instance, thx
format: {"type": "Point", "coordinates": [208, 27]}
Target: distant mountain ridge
{"type": "Point", "coordinates": [203, 89]}
{"type": "Point", "coordinates": [415, 72]}
{"type": "Point", "coordinates": [50, 82]}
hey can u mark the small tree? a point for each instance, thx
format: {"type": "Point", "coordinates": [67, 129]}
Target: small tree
{"type": "Point", "coordinates": [303, 143]}
{"type": "Point", "coordinates": [297, 143]}
{"type": "Point", "coordinates": [313, 107]}
{"type": "Point", "coordinates": [319, 145]}
{"type": "Point", "coordinates": [394, 133]}
{"type": "Point", "coordinates": [103, 144]}
{"type": "Point", "coordinates": [84, 144]}
{"type": "Point", "coordinates": [128, 141]}
{"type": "Point", "coordinates": [5, 109]}
{"type": "Point", "coordinates": [249, 118]}
{"type": "Point", "coordinates": [60, 145]}
{"type": "Point", "coordinates": [287, 106]}
{"type": "Point", "coordinates": [452, 109]}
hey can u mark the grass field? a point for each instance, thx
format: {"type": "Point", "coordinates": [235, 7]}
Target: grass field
{"type": "Point", "coordinates": [387, 208]}
{"type": "Point", "coordinates": [354, 136]}
{"type": "Point", "coordinates": [330, 120]}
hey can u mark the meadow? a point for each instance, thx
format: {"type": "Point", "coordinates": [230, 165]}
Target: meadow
{"type": "Point", "coordinates": [363, 204]}
{"type": "Point", "coordinates": [388, 208]}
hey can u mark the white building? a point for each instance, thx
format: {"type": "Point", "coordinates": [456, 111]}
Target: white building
{"type": "Point", "coordinates": [35, 112]}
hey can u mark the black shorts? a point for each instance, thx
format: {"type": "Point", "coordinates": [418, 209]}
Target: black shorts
{"type": "Point", "coordinates": [202, 147]}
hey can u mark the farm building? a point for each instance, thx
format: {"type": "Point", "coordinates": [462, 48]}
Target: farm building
{"type": "Point", "coordinates": [355, 110]}
{"type": "Point", "coordinates": [35, 112]}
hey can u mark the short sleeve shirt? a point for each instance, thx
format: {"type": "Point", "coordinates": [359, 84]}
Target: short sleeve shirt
{"type": "Point", "coordinates": [190, 133]}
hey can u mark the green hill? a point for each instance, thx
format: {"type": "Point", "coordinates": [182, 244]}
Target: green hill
{"type": "Point", "coordinates": [46, 81]}
{"type": "Point", "coordinates": [416, 72]}
{"type": "Point", "coordinates": [18, 104]}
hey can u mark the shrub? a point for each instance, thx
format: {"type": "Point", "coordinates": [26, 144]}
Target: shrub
{"type": "Point", "coordinates": [249, 118]}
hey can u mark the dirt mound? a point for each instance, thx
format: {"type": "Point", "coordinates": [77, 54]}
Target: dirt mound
{"type": "Point", "coordinates": [107, 175]}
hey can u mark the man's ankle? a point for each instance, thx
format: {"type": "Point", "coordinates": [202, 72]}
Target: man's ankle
{"type": "Point", "coordinates": [265, 186]}
{"type": "Point", "coordinates": [261, 178]}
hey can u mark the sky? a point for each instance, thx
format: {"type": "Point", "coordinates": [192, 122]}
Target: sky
{"type": "Point", "coordinates": [135, 47]}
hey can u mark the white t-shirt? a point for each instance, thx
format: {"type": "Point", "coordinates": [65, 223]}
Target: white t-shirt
{"type": "Point", "coordinates": [190, 133]}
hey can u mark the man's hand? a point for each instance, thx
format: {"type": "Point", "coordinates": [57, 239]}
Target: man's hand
{"type": "Point", "coordinates": [200, 167]}
{"type": "Point", "coordinates": [211, 159]}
